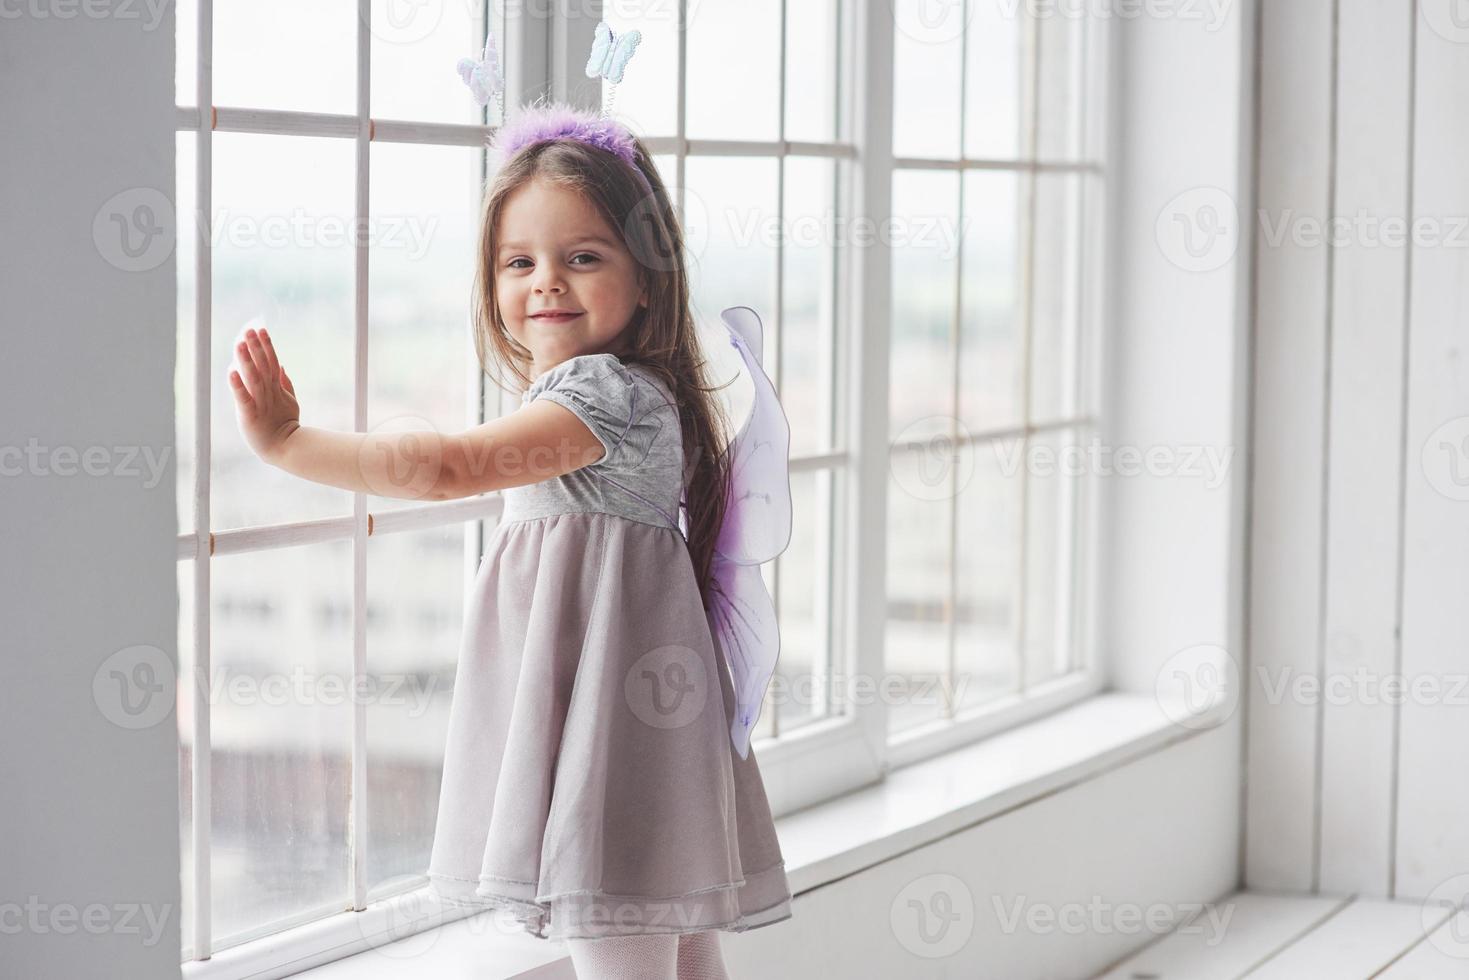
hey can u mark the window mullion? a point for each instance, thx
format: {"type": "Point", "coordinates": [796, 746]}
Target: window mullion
{"type": "Point", "coordinates": [867, 385]}
{"type": "Point", "coordinates": [1027, 329]}
{"type": "Point", "coordinates": [357, 795]}
{"type": "Point", "coordinates": [956, 347]}
{"type": "Point", "coordinates": [200, 778]}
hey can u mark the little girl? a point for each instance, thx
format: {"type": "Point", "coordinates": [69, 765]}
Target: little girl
{"type": "Point", "coordinates": [589, 782]}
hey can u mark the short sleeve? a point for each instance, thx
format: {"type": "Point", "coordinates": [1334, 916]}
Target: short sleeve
{"type": "Point", "coordinates": [609, 397]}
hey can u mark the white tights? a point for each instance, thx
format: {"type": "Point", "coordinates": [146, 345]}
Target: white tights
{"type": "Point", "coordinates": [666, 956]}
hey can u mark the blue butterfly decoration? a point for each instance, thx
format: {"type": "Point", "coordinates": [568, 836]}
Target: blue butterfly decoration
{"type": "Point", "coordinates": [611, 53]}
{"type": "Point", "coordinates": [483, 77]}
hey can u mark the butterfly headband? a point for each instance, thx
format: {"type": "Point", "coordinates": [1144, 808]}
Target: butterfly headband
{"type": "Point", "coordinates": [537, 124]}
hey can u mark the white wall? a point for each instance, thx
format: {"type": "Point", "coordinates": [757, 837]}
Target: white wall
{"type": "Point", "coordinates": [1177, 379]}
{"type": "Point", "coordinates": [1060, 888]}
{"type": "Point", "coordinates": [89, 860]}
{"type": "Point", "coordinates": [1361, 532]}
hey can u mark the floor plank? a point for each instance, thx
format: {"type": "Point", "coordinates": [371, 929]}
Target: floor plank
{"type": "Point", "coordinates": [1227, 938]}
{"type": "Point", "coordinates": [1354, 944]}
{"type": "Point", "coordinates": [1444, 955]}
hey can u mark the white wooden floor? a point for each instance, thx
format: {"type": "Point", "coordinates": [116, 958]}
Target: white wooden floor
{"type": "Point", "coordinates": [1267, 936]}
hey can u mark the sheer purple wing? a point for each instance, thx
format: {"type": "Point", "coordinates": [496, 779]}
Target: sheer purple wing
{"type": "Point", "coordinates": [743, 616]}
{"type": "Point", "coordinates": [756, 528]}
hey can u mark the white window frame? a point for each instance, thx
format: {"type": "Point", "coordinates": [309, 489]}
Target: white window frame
{"type": "Point", "coordinates": [814, 762]}
{"type": "Point", "coordinates": [1089, 74]}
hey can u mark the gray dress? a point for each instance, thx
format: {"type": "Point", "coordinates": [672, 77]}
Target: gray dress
{"type": "Point", "coordinates": [590, 786]}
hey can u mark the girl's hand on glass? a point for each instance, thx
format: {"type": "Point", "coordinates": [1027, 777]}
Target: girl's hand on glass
{"type": "Point", "coordinates": [265, 400]}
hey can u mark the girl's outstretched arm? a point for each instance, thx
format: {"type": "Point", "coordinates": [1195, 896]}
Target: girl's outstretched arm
{"type": "Point", "coordinates": [397, 464]}
{"type": "Point", "coordinates": [537, 442]}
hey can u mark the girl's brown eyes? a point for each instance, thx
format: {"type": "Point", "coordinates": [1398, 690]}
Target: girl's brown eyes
{"type": "Point", "coordinates": [511, 264]}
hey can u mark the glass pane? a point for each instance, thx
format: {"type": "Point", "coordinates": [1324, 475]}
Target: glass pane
{"type": "Point", "coordinates": [1055, 348]}
{"type": "Point", "coordinates": [187, 708]}
{"type": "Point", "coordinates": [186, 51]}
{"type": "Point", "coordinates": [994, 81]}
{"type": "Point", "coordinates": [808, 316]}
{"type": "Point", "coordinates": [283, 210]}
{"type": "Point", "coordinates": [647, 97]}
{"type": "Point", "coordinates": [421, 363]}
{"type": "Point", "coordinates": [805, 584]}
{"type": "Point", "coordinates": [283, 54]}
{"type": "Point", "coordinates": [992, 365]}
{"type": "Point", "coordinates": [281, 736]}
{"type": "Point", "coordinates": [415, 48]}
{"type": "Point", "coordinates": [811, 70]}
{"type": "Point", "coordinates": [1050, 531]}
{"type": "Point", "coordinates": [1059, 130]}
{"type": "Point", "coordinates": [924, 275]}
{"type": "Point", "coordinates": [927, 48]}
{"type": "Point", "coordinates": [988, 557]}
{"type": "Point", "coordinates": [186, 258]}
{"type": "Point", "coordinates": [920, 530]}
{"type": "Point", "coordinates": [734, 70]}
{"type": "Point", "coordinates": [416, 584]}
{"type": "Point", "coordinates": [734, 200]}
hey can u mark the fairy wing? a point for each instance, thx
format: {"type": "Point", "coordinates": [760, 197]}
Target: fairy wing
{"type": "Point", "coordinates": [756, 528]}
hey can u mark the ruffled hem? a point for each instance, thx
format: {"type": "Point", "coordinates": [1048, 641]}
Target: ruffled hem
{"type": "Point", "coordinates": [598, 915]}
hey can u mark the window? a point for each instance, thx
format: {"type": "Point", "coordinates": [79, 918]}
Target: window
{"type": "Point", "coordinates": [328, 627]}
{"type": "Point", "coordinates": [972, 157]}
{"type": "Point", "coordinates": [996, 187]}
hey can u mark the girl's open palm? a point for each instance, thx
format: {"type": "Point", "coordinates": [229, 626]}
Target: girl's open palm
{"type": "Point", "coordinates": [265, 400]}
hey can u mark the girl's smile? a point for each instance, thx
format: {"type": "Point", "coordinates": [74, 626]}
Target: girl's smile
{"type": "Point", "coordinates": [565, 282]}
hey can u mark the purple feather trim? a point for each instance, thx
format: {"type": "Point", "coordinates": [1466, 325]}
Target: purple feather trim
{"type": "Point", "coordinates": [557, 120]}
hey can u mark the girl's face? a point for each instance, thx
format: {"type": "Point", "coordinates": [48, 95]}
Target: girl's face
{"type": "Point", "coordinates": [556, 252]}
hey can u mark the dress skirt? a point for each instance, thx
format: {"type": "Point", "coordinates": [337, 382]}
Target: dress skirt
{"type": "Point", "coordinates": [590, 786]}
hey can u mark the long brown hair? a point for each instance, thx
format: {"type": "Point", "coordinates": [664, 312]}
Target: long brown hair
{"type": "Point", "coordinates": [661, 337]}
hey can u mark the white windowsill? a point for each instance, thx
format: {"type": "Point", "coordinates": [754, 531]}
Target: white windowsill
{"type": "Point", "coordinates": [915, 805]}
